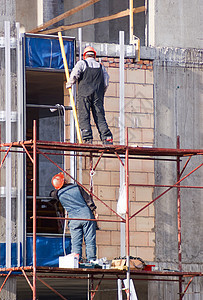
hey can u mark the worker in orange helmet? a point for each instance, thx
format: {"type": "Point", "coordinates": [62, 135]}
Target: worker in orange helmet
{"type": "Point", "coordinates": [93, 81]}
{"type": "Point", "coordinates": [79, 205]}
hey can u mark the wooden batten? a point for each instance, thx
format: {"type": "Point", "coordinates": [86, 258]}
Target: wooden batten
{"type": "Point", "coordinates": [95, 21]}
{"type": "Point", "coordinates": [63, 16]}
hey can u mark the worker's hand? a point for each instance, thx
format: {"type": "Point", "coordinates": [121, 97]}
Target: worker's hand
{"type": "Point", "coordinates": [95, 214]}
{"type": "Point", "coordinates": [96, 217]}
{"type": "Point", "coordinates": [68, 85]}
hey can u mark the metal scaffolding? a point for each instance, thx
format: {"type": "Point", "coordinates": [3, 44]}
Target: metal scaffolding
{"type": "Point", "coordinates": [34, 147]}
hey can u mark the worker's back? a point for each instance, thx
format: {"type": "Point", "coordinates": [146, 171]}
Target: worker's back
{"type": "Point", "coordinates": [91, 80]}
{"type": "Point", "coordinates": [72, 200]}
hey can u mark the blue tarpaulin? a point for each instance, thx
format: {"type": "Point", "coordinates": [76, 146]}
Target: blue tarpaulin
{"type": "Point", "coordinates": [48, 250]}
{"type": "Point", "coordinates": [45, 52]}
{"type": "Point", "coordinates": [13, 255]}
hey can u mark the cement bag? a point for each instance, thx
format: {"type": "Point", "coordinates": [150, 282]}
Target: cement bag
{"type": "Point", "coordinates": [121, 204]}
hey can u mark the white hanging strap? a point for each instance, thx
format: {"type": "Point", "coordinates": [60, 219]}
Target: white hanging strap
{"type": "Point", "coordinates": [64, 233]}
{"type": "Point", "coordinates": [92, 173]}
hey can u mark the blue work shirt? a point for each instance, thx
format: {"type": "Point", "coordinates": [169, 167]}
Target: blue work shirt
{"type": "Point", "coordinates": [74, 203]}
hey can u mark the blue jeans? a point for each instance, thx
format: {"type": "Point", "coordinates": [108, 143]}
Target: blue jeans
{"type": "Point", "coordinates": [78, 229]}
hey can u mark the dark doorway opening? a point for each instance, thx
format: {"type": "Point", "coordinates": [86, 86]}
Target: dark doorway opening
{"type": "Point", "coordinates": [44, 89]}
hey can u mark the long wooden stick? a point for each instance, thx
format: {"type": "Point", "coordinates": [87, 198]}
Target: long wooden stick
{"type": "Point", "coordinates": [95, 21]}
{"type": "Point", "coordinates": [131, 21]}
{"type": "Point", "coordinates": [70, 91]}
{"type": "Point", "coordinates": [63, 16]}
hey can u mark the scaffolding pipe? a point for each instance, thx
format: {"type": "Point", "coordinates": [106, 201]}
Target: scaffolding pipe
{"type": "Point", "coordinates": [27, 279]}
{"type": "Point", "coordinates": [7, 151]}
{"type": "Point", "coordinates": [8, 140]}
{"type": "Point", "coordinates": [5, 280]}
{"type": "Point", "coordinates": [92, 194]}
{"type": "Point", "coordinates": [48, 106]}
{"type": "Point", "coordinates": [122, 128]}
{"type": "Point", "coordinates": [179, 220]}
{"type": "Point", "coordinates": [180, 274]}
{"type": "Point", "coordinates": [67, 218]}
{"type": "Point", "coordinates": [127, 219]}
{"type": "Point", "coordinates": [52, 289]}
{"type": "Point", "coordinates": [21, 173]}
{"type": "Point", "coordinates": [191, 279]}
{"type": "Point", "coordinates": [166, 191]}
{"type": "Point", "coordinates": [80, 57]}
{"type": "Point", "coordinates": [34, 207]}
{"type": "Point", "coordinates": [165, 185]}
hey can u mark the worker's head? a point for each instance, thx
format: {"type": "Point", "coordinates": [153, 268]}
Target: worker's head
{"type": "Point", "coordinates": [58, 180]}
{"type": "Point", "coordinates": [89, 52]}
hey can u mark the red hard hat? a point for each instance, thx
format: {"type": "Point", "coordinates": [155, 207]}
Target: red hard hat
{"type": "Point", "coordinates": [58, 180]}
{"type": "Point", "coordinates": [89, 49]}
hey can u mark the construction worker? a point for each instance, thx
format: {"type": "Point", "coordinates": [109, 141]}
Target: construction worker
{"type": "Point", "coordinates": [93, 81]}
{"type": "Point", "coordinates": [79, 204]}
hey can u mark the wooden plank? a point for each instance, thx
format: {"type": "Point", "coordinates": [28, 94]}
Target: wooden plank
{"type": "Point", "coordinates": [63, 16]}
{"type": "Point", "coordinates": [94, 21]}
{"type": "Point", "coordinates": [70, 90]}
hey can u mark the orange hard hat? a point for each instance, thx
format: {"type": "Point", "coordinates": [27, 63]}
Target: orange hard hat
{"type": "Point", "coordinates": [58, 180]}
{"type": "Point", "coordinates": [89, 50]}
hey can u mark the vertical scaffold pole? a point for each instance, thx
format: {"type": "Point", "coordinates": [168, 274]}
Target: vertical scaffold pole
{"type": "Point", "coordinates": [34, 205]}
{"type": "Point", "coordinates": [127, 218]}
{"type": "Point", "coordinates": [122, 127]}
{"type": "Point", "coordinates": [8, 136]}
{"type": "Point", "coordinates": [179, 220]}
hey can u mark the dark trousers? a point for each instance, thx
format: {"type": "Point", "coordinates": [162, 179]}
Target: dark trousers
{"type": "Point", "coordinates": [95, 103]}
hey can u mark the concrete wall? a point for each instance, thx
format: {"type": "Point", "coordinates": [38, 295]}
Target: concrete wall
{"type": "Point", "coordinates": [7, 13]}
{"type": "Point", "coordinates": [175, 23]}
{"type": "Point", "coordinates": [51, 9]}
{"type": "Point", "coordinates": [178, 111]}
{"type": "Point", "coordinates": [27, 14]}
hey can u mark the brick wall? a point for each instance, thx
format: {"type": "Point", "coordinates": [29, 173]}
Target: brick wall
{"type": "Point", "coordinates": [139, 118]}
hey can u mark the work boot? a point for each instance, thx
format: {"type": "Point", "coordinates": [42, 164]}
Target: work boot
{"type": "Point", "coordinates": [88, 141]}
{"type": "Point", "coordinates": [108, 141]}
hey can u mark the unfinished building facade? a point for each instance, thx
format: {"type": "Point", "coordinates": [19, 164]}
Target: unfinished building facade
{"type": "Point", "coordinates": [161, 107]}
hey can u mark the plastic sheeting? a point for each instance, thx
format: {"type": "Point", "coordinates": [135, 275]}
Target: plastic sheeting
{"type": "Point", "coordinates": [48, 250]}
{"type": "Point", "coordinates": [45, 52]}
{"type": "Point", "coordinates": [13, 255]}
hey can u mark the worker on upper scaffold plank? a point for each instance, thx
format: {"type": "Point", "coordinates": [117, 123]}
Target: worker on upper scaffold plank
{"type": "Point", "coordinates": [93, 81]}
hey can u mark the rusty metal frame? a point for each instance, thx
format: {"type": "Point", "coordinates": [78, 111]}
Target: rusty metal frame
{"type": "Point", "coordinates": [34, 146]}
{"type": "Point", "coordinates": [89, 191]}
{"type": "Point", "coordinates": [5, 280]}
{"type": "Point", "coordinates": [5, 155]}
{"type": "Point", "coordinates": [93, 292]}
{"type": "Point", "coordinates": [51, 288]}
{"type": "Point", "coordinates": [175, 185]}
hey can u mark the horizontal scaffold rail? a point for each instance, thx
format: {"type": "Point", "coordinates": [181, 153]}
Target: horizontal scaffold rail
{"type": "Point", "coordinates": [107, 149]}
{"type": "Point", "coordinates": [83, 271]}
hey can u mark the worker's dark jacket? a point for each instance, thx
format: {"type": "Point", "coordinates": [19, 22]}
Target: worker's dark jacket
{"type": "Point", "coordinates": [91, 80]}
{"type": "Point", "coordinates": [75, 200]}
